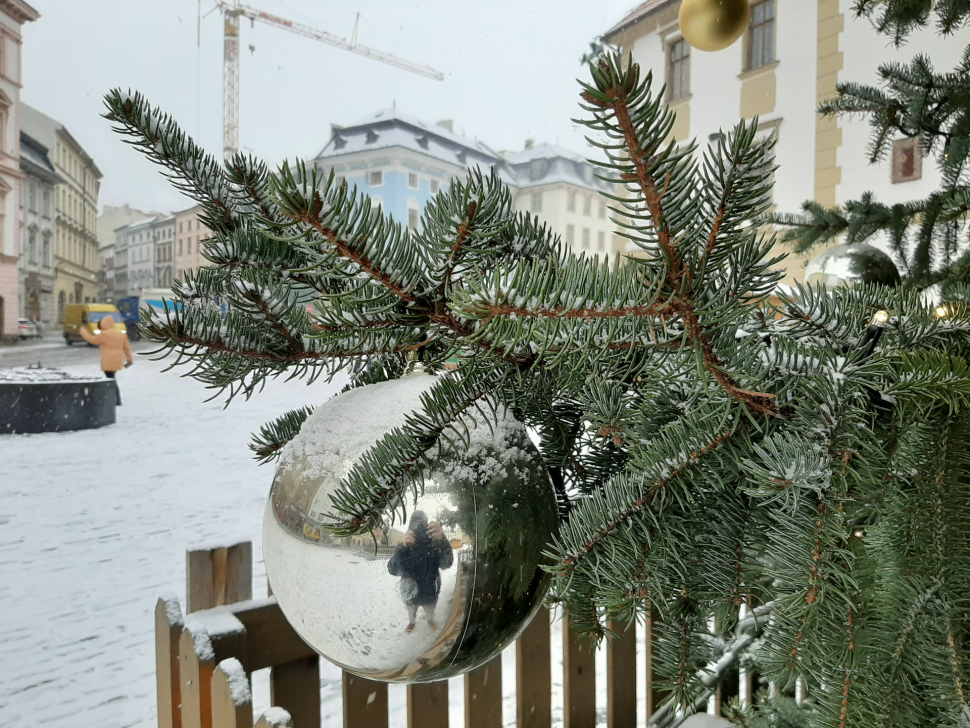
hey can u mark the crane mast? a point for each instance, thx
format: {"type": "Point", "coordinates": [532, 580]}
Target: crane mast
{"type": "Point", "coordinates": [232, 11]}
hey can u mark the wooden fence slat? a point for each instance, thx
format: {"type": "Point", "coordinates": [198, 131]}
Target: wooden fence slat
{"type": "Point", "coordinates": [655, 696]}
{"type": "Point", "coordinates": [533, 694]}
{"type": "Point", "coordinates": [295, 687]}
{"type": "Point", "coordinates": [579, 678]}
{"type": "Point", "coordinates": [196, 665]}
{"type": "Point", "coordinates": [483, 695]}
{"type": "Point", "coordinates": [232, 699]}
{"type": "Point", "coordinates": [218, 576]}
{"type": "Point", "coordinates": [621, 676]}
{"type": "Point", "coordinates": [365, 703]}
{"type": "Point", "coordinates": [168, 631]}
{"type": "Point", "coordinates": [428, 705]}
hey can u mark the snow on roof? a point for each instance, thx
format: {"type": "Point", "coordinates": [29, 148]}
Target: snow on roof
{"type": "Point", "coordinates": [636, 15]}
{"type": "Point", "coordinates": [390, 128]}
{"type": "Point", "coordinates": [32, 152]}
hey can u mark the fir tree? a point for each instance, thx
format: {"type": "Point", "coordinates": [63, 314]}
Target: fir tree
{"type": "Point", "coordinates": [928, 237]}
{"type": "Point", "coordinates": [807, 461]}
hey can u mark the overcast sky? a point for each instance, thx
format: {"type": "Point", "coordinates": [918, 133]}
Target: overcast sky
{"type": "Point", "coordinates": [510, 70]}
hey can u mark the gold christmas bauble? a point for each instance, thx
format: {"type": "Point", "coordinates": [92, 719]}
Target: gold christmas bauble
{"type": "Point", "coordinates": [712, 25]}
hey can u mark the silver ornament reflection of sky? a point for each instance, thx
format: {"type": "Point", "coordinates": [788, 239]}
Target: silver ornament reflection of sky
{"type": "Point", "coordinates": [447, 588]}
{"type": "Point", "coordinates": [851, 264]}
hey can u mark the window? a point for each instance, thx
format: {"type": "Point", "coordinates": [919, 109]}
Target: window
{"type": "Point", "coordinates": [537, 202]}
{"type": "Point", "coordinates": [435, 186]}
{"type": "Point", "coordinates": [375, 208]}
{"type": "Point", "coordinates": [571, 202]}
{"type": "Point", "coordinates": [180, 227]}
{"type": "Point", "coordinates": [761, 35]}
{"type": "Point", "coordinates": [678, 69]}
{"type": "Point", "coordinates": [46, 260]}
{"type": "Point", "coordinates": [587, 205]}
{"type": "Point", "coordinates": [539, 169]}
{"type": "Point", "coordinates": [32, 246]}
{"type": "Point", "coordinates": [585, 238]}
{"type": "Point", "coordinates": [413, 218]}
{"type": "Point", "coordinates": [412, 180]}
{"type": "Point", "coordinates": [907, 161]}
{"type": "Point", "coordinates": [602, 210]}
{"type": "Point", "coordinates": [188, 246]}
{"type": "Point", "coordinates": [33, 197]}
{"type": "Point", "coordinates": [376, 178]}
{"type": "Point", "coordinates": [339, 180]}
{"type": "Point", "coordinates": [571, 235]}
{"type": "Point", "coordinates": [601, 241]}
{"type": "Point", "coordinates": [180, 246]}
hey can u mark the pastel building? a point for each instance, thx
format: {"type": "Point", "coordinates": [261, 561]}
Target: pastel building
{"type": "Point", "coordinates": [187, 247]}
{"type": "Point", "coordinates": [13, 15]}
{"type": "Point", "coordinates": [401, 162]}
{"type": "Point", "coordinates": [789, 60]}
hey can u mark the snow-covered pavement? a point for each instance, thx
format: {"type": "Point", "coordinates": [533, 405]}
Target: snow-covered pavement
{"type": "Point", "coordinates": [94, 526]}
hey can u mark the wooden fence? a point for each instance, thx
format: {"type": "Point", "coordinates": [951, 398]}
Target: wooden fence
{"type": "Point", "coordinates": [204, 663]}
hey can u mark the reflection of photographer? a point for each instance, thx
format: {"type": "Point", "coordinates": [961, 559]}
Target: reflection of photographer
{"type": "Point", "coordinates": [418, 561]}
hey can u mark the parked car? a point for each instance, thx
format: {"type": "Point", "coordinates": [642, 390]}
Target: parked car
{"type": "Point", "coordinates": [77, 315]}
{"type": "Point", "coordinates": [27, 329]}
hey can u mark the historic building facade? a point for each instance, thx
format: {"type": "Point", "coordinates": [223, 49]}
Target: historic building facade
{"type": "Point", "coordinates": [164, 232]}
{"type": "Point", "coordinates": [765, 74]}
{"type": "Point", "coordinates": [111, 218]}
{"type": "Point", "coordinates": [13, 15]}
{"type": "Point", "coordinates": [36, 254]}
{"type": "Point", "coordinates": [76, 209]}
{"type": "Point", "coordinates": [401, 162]}
{"type": "Point", "coordinates": [187, 249]}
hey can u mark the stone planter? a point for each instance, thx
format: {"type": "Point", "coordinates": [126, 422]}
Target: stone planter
{"type": "Point", "coordinates": [50, 401]}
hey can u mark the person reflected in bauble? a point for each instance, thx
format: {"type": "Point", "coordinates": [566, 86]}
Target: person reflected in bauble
{"type": "Point", "coordinates": [418, 560]}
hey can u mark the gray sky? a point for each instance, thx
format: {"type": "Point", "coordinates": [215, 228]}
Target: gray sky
{"type": "Point", "coordinates": [510, 70]}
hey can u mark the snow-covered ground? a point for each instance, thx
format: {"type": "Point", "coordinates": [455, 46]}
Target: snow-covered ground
{"type": "Point", "coordinates": [94, 526]}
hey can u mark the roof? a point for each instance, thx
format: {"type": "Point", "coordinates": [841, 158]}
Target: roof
{"type": "Point", "coordinates": [555, 165]}
{"type": "Point", "coordinates": [45, 129]}
{"type": "Point", "coordinates": [34, 159]}
{"type": "Point", "coordinates": [390, 128]}
{"type": "Point", "coordinates": [638, 13]}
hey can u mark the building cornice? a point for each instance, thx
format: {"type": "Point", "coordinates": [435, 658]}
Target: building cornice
{"type": "Point", "coordinates": [19, 11]}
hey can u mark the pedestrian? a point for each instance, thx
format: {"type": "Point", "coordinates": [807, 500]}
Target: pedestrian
{"type": "Point", "coordinates": [115, 349]}
{"type": "Point", "coordinates": [418, 561]}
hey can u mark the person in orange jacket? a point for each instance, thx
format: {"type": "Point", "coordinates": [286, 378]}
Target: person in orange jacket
{"type": "Point", "coordinates": [115, 349]}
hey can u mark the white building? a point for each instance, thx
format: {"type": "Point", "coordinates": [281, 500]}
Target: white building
{"type": "Point", "coordinates": [111, 218]}
{"type": "Point", "coordinates": [164, 231]}
{"type": "Point", "coordinates": [134, 258]}
{"type": "Point", "coordinates": [36, 263]}
{"type": "Point", "coordinates": [401, 162]}
{"type": "Point", "coordinates": [794, 53]}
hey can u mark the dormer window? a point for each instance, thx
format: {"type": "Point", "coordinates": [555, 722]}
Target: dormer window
{"type": "Point", "coordinates": [422, 141]}
{"type": "Point", "coordinates": [539, 169]}
{"type": "Point", "coordinates": [339, 142]}
{"type": "Point", "coordinates": [372, 137]}
{"type": "Point", "coordinates": [461, 155]}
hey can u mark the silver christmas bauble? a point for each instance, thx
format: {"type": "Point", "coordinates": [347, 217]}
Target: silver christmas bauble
{"type": "Point", "coordinates": [850, 264]}
{"type": "Point", "coordinates": [447, 587]}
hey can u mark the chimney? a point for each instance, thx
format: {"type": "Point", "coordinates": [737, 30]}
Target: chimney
{"type": "Point", "coordinates": [334, 128]}
{"type": "Point", "coordinates": [448, 124]}
{"type": "Point", "coordinates": [529, 143]}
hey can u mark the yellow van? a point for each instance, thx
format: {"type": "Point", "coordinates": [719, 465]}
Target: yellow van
{"type": "Point", "coordinates": [77, 315]}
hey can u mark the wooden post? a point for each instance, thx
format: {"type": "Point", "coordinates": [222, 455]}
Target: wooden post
{"type": "Point", "coordinates": [365, 703]}
{"type": "Point", "coordinates": [579, 678]}
{"type": "Point", "coordinates": [196, 665]}
{"type": "Point", "coordinates": [168, 631]}
{"type": "Point", "coordinates": [295, 687]}
{"type": "Point", "coordinates": [654, 695]}
{"type": "Point", "coordinates": [428, 705]}
{"type": "Point", "coordinates": [483, 695]}
{"type": "Point", "coordinates": [217, 576]}
{"type": "Point", "coordinates": [621, 676]}
{"type": "Point", "coordinates": [232, 699]}
{"type": "Point", "coordinates": [533, 674]}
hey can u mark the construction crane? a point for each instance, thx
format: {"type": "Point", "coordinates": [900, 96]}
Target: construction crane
{"type": "Point", "coordinates": [233, 10]}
